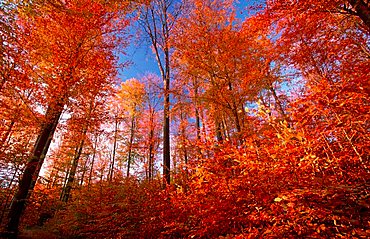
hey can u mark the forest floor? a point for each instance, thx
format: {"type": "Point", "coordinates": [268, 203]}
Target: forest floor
{"type": "Point", "coordinates": [36, 233]}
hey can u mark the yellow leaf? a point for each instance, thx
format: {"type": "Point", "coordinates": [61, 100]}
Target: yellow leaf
{"type": "Point", "coordinates": [278, 199]}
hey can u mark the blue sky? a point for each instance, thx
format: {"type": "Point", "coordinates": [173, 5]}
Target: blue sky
{"type": "Point", "coordinates": [143, 60]}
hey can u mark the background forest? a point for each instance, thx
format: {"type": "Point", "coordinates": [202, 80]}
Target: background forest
{"type": "Point", "coordinates": [257, 124]}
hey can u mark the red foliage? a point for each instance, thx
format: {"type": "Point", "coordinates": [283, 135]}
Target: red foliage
{"type": "Point", "coordinates": [304, 173]}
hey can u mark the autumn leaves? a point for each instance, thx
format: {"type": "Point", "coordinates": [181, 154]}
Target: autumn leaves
{"type": "Point", "coordinates": [269, 120]}
{"type": "Point", "coordinates": [67, 52]}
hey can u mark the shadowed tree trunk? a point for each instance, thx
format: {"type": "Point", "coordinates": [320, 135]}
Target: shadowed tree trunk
{"type": "Point", "coordinates": [84, 170]}
{"type": "Point", "coordinates": [157, 25]}
{"type": "Point", "coordinates": [68, 186]}
{"type": "Point", "coordinates": [132, 132]}
{"type": "Point", "coordinates": [9, 195]}
{"type": "Point", "coordinates": [7, 134]}
{"type": "Point", "coordinates": [111, 169]}
{"type": "Point", "coordinates": [66, 193]}
{"type": "Point", "coordinates": [41, 147]}
{"type": "Point", "coordinates": [92, 160]}
{"type": "Point", "coordinates": [151, 145]}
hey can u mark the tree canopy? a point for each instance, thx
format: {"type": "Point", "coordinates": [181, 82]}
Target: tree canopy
{"type": "Point", "coordinates": [257, 125]}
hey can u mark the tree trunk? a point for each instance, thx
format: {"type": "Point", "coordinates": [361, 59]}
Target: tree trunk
{"type": "Point", "coordinates": [110, 174]}
{"type": "Point", "coordinates": [54, 176]}
{"type": "Point", "coordinates": [150, 161]}
{"type": "Point", "coordinates": [166, 125]}
{"type": "Point", "coordinates": [183, 136]}
{"type": "Point", "coordinates": [66, 193]}
{"type": "Point", "coordinates": [7, 134]}
{"type": "Point", "coordinates": [9, 195]}
{"type": "Point", "coordinates": [130, 144]}
{"type": "Point", "coordinates": [278, 103]}
{"type": "Point", "coordinates": [226, 128]}
{"type": "Point", "coordinates": [218, 130]}
{"type": "Point", "coordinates": [235, 110]}
{"type": "Point", "coordinates": [84, 170]}
{"type": "Point", "coordinates": [151, 145]}
{"type": "Point", "coordinates": [41, 147]}
{"type": "Point", "coordinates": [156, 24]}
{"type": "Point", "coordinates": [197, 117]}
{"type": "Point", "coordinates": [197, 122]}
{"type": "Point", "coordinates": [166, 140]}
{"type": "Point", "coordinates": [92, 161]}
{"type": "Point", "coordinates": [65, 180]}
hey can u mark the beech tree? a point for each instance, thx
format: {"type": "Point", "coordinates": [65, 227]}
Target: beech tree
{"type": "Point", "coordinates": [82, 122]}
{"type": "Point", "coordinates": [116, 111]}
{"type": "Point", "coordinates": [269, 114]}
{"type": "Point", "coordinates": [10, 61]}
{"type": "Point", "coordinates": [131, 96]}
{"type": "Point", "coordinates": [221, 62]}
{"type": "Point", "coordinates": [157, 18]}
{"type": "Point", "coordinates": [328, 69]}
{"type": "Point", "coordinates": [65, 43]}
{"type": "Point", "coordinates": [149, 125]}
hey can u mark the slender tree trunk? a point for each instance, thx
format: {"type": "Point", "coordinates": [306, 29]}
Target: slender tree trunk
{"type": "Point", "coordinates": [55, 176]}
{"type": "Point", "coordinates": [5, 204]}
{"type": "Point", "coordinates": [166, 125]}
{"type": "Point", "coordinates": [68, 187]}
{"type": "Point", "coordinates": [278, 103]}
{"type": "Point", "coordinates": [151, 144]}
{"type": "Point", "coordinates": [65, 180]}
{"type": "Point", "coordinates": [226, 130]}
{"type": "Point", "coordinates": [84, 171]}
{"type": "Point", "coordinates": [7, 134]}
{"type": "Point", "coordinates": [197, 117]}
{"type": "Point", "coordinates": [183, 136]}
{"type": "Point", "coordinates": [130, 145]}
{"type": "Point", "coordinates": [197, 122]}
{"type": "Point", "coordinates": [51, 178]}
{"type": "Point", "coordinates": [41, 146]}
{"type": "Point", "coordinates": [235, 110]}
{"type": "Point", "coordinates": [237, 121]}
{"type": "Point", "coordinates": [203, 123]}
{"type": "Point", "coordinates": [92, 161]}
{"type": "Point", "coordinates": [157, 24]}
{"type": "Point", "coordinates": [185, 151]}
{"type": "Point", "coordinates": [110, 174]}
{"type": "Point", "coordinates": [150, 162]}
{"type": "Point", "coordinates": [218, 130]}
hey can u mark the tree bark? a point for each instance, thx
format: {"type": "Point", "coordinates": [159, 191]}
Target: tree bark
{"type": "Point", "coordinates": [183, 137]}
{"type": "Point", "coordinates": [92, 161]}
{"type": "Point", "coordinates": [132, 131]}
{"type": "Point", "coordinates": [166, 135]}
{"type": "Point", "coordinates": [110, 174]}
{"type": "Point", "coordinates": [84, 170]}
{"type": "Point", "coordinates": [7, 134]}
{"type": "Point", "coordinates": [66, 193]}
{"type": "Point", "coordinates": [151, 145]}
{"type": "Point", "coordinates": [9, 195]}
{"type": "Point", "coordinates": [41, 147]}
{"type": "Point", "coordinates": [218, 130]}
{"type": "Point", "coordinates": [157, 26]}
{"type": "Point", "coordinates": [197, 117]}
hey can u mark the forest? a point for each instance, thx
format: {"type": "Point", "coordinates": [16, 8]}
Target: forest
{"type": "Point", "coordinates": [256, 123]}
